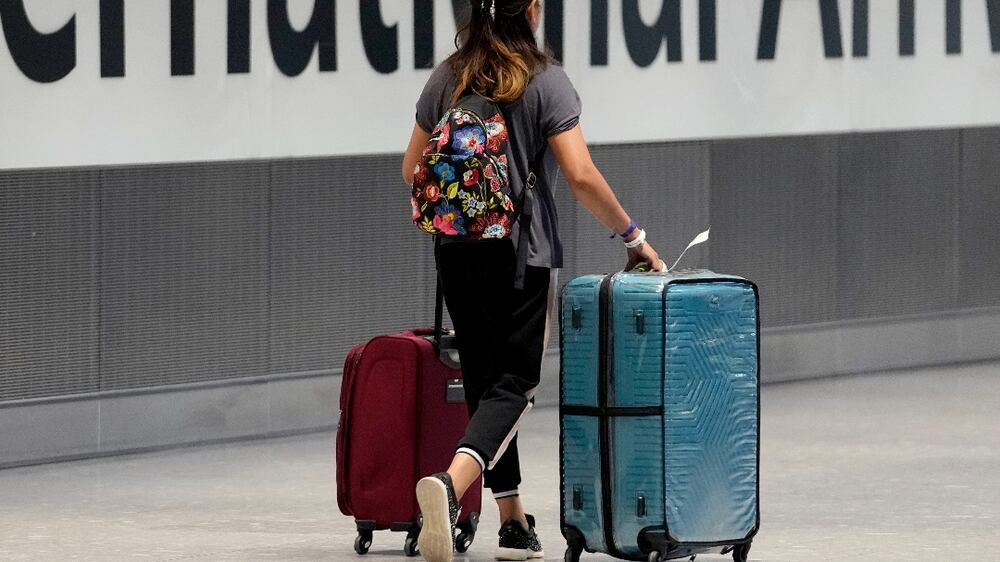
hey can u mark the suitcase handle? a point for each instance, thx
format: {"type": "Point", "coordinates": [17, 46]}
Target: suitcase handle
{"type": "Point", "coordinates": [640, 323]}
{"type": "Point", "coordinates": [578, 498]}
{"type": "Point", "coordinates": [438, 296]}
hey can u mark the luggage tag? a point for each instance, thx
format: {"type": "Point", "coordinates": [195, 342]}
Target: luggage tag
{"type": "Point", "coordinates": [703, 237]}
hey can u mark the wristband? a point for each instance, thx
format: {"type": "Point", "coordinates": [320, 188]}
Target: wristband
{"type": "Point", "coordinates": [631, 228]}
{"type": "Point", "coordinates": [638, 240]}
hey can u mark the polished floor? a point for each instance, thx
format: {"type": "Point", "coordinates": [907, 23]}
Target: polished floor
{"type": "Point", "coordinates": [891, 466]}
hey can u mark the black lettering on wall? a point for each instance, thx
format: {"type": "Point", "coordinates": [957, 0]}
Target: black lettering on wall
{"type": "Point", "coordinates": [554, 27]}
{"type": "Point", "coordinates": [767, 40]}
{"type": "Point", "coordinates": [42, 57]}
{"type": "Point", "coordinates": [599, 32]}
{"type": "Point", "coordinates": [381, 42]}
{"type": "Point", "coordinates": [181, 37]}
{"type": "Point", "coordinates": [293, 49]}
{"type": "Point", "coordinates": [644, 41]}
{"type": "Point", "coordinates": [953, 27]}
{"type": "Point", "coordinates": [993, 14]}
{"type": "Point", "coordinates": [829, 13]}
{"type": "Point", "coordinates": [423, 33]}
{"type": "Point", "coordinates": [906, 8]}
{"type": "Point", "coordinates": [112, 16]}
{"type": "Point", "coordinates": [859, 33]}
{"type": "Point", "coordinates": [707, 24]}
{"type": "Point", "coordinates": [238, 37]}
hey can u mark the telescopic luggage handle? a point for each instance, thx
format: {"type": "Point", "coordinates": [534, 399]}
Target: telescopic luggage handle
{"type": "Point", "coordinates": [438, 311]}
{"type": "Point", "coordinates": [438, 297]}
{"type": "Point", "coordinates": [447, 353]}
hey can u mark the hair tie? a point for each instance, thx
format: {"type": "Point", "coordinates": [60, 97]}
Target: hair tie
{"type": "Point", "coordinates": [492, 8]}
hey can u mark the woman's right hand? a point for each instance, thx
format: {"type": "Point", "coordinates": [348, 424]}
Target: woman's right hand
{"type": "Point", "coordinates": [644, 253]}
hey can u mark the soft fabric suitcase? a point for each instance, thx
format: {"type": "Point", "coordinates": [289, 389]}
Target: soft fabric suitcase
{"type": "Point", "coordinates": [659, 420]}
{"type": "Point", "coordinates": [402, 413]}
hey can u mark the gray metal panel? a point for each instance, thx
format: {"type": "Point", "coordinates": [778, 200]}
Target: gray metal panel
{"type": "Point", "coordinates": [303, 403]}
{"type": "Point", "coordinates": [568, 210]}
{"type": "Point", "coordinates": [979, 217]}
{"type": "Point", "coordinates": [189, 288]}
{"type": "Point", "coordinates": [664, 187]}
{"type": "Point", "coordinates": [347, 263]}
{"type": "Point", "coordinates": [184, 273]}
{"type": "Point", "coordinates": [773, 207]}
{"type": "Point", "coordinates": [39, 431]}
{"type": "Point", "coordinates": [897, 223]}
{"type": "Point", "coordinates": [156, 420]}
{"type": "Point", "coordinates": [48, 283]}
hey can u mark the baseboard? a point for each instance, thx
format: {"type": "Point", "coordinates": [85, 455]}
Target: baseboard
{"type": "Point", "coordinates": [142, 420]}
{"type": "Point", "coordinates": [102, 424]}
{"type": "Point", "coordinates": [822, 350]}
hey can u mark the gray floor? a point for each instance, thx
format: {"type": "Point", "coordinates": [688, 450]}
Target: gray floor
{"type": "Point", "coordinates": [894, 466]}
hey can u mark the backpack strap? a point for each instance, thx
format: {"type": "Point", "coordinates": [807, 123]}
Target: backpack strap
{"type": "Point", "coordinates": [527, 206]}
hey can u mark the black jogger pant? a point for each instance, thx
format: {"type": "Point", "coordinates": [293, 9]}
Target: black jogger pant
{"type": "Point", "coordinates": [500, 334]}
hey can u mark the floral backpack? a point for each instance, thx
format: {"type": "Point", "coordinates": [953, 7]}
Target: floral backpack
{"type": "Point", "coordinates": [461, 186]}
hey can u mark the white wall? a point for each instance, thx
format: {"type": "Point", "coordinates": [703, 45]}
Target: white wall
{"type": "Point", "coordinates": [149, 116]}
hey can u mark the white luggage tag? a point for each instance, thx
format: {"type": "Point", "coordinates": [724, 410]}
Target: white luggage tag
{"type": "Point", "coordinates": [703, 237]}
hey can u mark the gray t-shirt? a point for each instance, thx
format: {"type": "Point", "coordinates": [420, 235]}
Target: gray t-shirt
{"type": "Point", "coordinates": [550, 105]}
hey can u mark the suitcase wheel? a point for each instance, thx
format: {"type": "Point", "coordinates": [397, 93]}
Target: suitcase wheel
{"type": "Point", "coordinates": [463, 541]}
{"type": "Point", "coordinates": [741, 552]}
{"type": "Point", "coordinates": [575, 543]}
{"type": "Point", "coordinates": [363, 542]}
{"type": "Point", "coordinates": [467, 533]}
{"type": "Point", "coordinates": [410, 547]}
{"type": "Point", "coordinates": [654, 556]}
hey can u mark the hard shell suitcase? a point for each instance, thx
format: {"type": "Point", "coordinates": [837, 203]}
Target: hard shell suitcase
{"type": "Point", "coordinates": [402, 413]}
{"type": "Point", "coordinates": [659, 420]}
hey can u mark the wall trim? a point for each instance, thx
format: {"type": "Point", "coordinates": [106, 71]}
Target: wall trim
{"type": "Point", "coordinates": [168, 388]}
{"type": "Point", "coordinates": [105, 424]}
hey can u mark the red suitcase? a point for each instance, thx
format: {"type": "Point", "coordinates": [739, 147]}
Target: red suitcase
{"type": "Point", "coordinates": [402, 414]}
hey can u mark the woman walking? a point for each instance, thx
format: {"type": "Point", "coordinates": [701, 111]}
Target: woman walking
{"type": "Point", "coordinates": [500, 325]}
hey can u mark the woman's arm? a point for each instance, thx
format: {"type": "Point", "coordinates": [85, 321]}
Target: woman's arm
{"type": "Point", "coordinates": [586, 181]}
{"type": "Point", "coordinates": [593, 191]}
{"type": "Point", "coordinates": [418, 139]}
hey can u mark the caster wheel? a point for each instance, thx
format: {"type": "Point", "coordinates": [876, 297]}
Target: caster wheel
{"type": "Point", "coordinates": [463, 541]}
{"type": "Point", "coordinates": [653, 556]}
{"type": "Point", "coordinates": [741, 553]}
{"type": "Point", "coordinates": [466, 533]}
{"type": "Point", "coordinates": [571, 555]}
{"type": "Point", "coordinates": [362, 543]}
{"type": "Point", "coordinates": [410, 547]}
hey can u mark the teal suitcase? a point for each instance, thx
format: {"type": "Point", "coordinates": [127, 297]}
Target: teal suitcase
{"type": "Point", "coordinates": [659, 415]}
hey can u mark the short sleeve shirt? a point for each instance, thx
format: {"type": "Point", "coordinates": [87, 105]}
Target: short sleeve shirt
{"type": "Point", "coordinates": [550, 105]}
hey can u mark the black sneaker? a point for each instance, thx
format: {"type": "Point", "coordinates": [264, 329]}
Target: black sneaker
{"type": "Point", "coordinates": [439, 508]}
{"type": "Point", "coordinates": [518, 543]}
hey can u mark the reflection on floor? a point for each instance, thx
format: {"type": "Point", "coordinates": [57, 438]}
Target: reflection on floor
{"type": "Point", "coordinates": [892, 466]}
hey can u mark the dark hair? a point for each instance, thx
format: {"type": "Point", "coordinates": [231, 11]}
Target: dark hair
{"type": "Point", "coordinates": [497, 52]}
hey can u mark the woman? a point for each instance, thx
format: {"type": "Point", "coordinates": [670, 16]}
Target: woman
{"type": "Point", "coordinates": [501, 338]}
